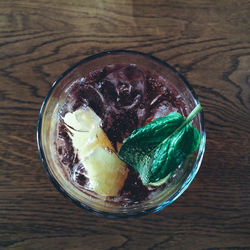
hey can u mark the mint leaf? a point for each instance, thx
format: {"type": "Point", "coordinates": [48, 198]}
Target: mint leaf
{"type": "Point", "coordinates": [158, 148]}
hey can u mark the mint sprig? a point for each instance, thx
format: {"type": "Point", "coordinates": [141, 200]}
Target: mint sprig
{"type": "Point", "coordinates": [158, 148]}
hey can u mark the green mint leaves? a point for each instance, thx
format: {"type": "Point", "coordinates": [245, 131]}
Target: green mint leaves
{"type": "Point", "coordinates": [158, 148]}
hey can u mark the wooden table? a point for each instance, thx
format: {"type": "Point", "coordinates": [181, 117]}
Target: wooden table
{"type": "Point", "coordinates": [207, 41]}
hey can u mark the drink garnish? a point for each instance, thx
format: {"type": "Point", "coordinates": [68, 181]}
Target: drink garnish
{"type": "Point", "coordinates": [157, 149]}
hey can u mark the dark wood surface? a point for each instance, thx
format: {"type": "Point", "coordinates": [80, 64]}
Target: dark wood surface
{"type": "Point", "coordinates": [207, 41]}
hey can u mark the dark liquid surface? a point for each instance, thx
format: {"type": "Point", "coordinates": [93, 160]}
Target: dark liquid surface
{"type": "Point", "coordinates": [125, 97]}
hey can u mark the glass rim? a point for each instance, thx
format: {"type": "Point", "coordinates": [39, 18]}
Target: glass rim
{"type": "Point", "coordinates": [158, 207]}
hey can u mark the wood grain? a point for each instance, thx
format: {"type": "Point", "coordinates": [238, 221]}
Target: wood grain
{"type": "Point", "coordinates": [207, 41]}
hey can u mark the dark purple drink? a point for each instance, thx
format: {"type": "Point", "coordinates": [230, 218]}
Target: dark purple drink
{"type": "Point", "coordinates": [120, 98]}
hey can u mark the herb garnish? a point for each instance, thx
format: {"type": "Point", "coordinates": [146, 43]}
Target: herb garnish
{"type": "Point", "coordinates": [159, 147]}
